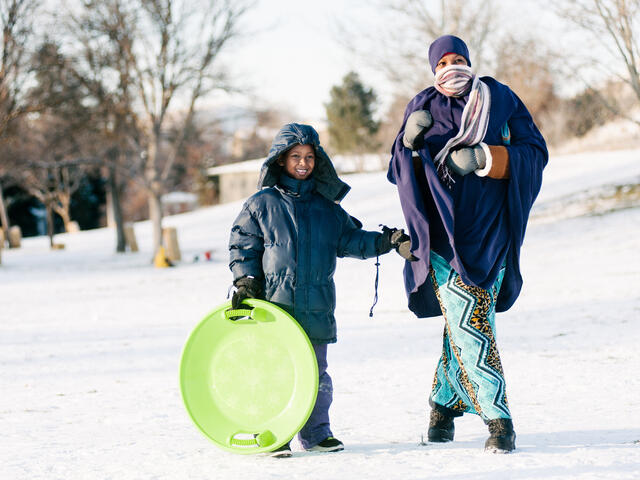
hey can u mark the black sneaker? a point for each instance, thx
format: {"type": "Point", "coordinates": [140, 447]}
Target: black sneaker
{"type": "Point", "coordinates": [283, 452]}
{"type": "Point", "coordinates": [502, 438]}
{"type": "Point", "coordinates": [329, 444]}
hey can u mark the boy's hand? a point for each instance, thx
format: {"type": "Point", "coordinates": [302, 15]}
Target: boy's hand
{"type": "Point", "coordinates": [246, 287]}
{"type": "Point", "coordinates": [417, 124]}
{"type": "Point", "coordinates": [398, 240]}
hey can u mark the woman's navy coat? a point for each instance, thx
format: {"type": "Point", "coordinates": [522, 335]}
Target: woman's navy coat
{"type": "Point", "coordinates": [290, 235]}
{"type": "Point", "coordinates": [479, 225]}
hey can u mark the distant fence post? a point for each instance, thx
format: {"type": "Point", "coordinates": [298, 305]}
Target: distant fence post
{"type": "Point", "coordinates": [15, 237]}
{"type": "Point", "coordinates": [73, 227]}
{"type": "Point", "coordinates": [130, 237]}
{"type": "Point", "coordinates": [170, 241]}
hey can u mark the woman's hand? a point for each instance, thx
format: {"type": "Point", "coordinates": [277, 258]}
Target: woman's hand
{"type": "Point", "coordinates": [467, 159]}
{"type": "Point", "coordinates": [417, 124]}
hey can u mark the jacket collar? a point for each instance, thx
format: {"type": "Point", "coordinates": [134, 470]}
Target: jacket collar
{"type": "Point", "coordinates": [294, 187]}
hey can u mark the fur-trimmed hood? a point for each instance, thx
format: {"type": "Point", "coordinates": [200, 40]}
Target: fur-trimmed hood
{"type": "Point", "coordinates": [328, 184]}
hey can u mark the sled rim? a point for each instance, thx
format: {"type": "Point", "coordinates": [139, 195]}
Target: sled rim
{"type": "Point", "coordinates": [248, 377]}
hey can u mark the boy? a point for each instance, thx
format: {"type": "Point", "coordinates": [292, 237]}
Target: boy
{"type": "Point", "coordinates": [283, 248]}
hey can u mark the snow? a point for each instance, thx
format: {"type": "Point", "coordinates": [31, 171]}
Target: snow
{"type": "Point", "coordinates": [90, 344]}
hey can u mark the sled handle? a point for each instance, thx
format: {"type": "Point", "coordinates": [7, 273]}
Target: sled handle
{"type": "Point", "coordinates": [249, 440]}
{"type": "Point", "coordinates": [238, 314]}
{"type": "Point", "coordinates": [232, 313]}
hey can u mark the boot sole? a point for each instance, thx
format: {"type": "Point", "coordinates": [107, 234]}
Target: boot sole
{"type": "Point", "coordinates": [325, 449]}
{"type": "Point", "coordinates": [281, 454]}
{"type": "Point", "coordinates": [496, 450]}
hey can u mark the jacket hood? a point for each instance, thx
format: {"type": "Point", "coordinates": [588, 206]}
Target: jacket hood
{"type": "Point", "coordinates": [328, 184]}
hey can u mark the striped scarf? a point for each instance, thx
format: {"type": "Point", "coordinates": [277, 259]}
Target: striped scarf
{"type": "Point", "coordinates": [458, 81]}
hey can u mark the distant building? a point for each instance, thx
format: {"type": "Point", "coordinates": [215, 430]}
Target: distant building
{"type": "Point", "coordinates": [235, 181]}
{"type": "Point", "coordinates": [179, 202]}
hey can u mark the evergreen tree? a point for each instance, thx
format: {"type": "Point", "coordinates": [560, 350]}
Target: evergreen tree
{"type": "Point", "coordinates": [352, 128]}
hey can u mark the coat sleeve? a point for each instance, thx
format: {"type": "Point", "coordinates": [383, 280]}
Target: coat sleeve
{"type": "Point", "coordinates": [246, 245]}
{"type": "Point", "coordinates": [354, 241]}
{"type": "Point", "coordinates": [528, 156]}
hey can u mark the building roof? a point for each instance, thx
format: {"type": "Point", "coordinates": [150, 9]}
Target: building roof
{"type": "Point", "coordinates": [238, 167]}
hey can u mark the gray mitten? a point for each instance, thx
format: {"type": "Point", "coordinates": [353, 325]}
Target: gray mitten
{"type": "Point", "coordinates": [417, 124]}
{"type": "Point", "coordinates": [404, 250]}
{"type": "Point", "coordinates": [467, 160]}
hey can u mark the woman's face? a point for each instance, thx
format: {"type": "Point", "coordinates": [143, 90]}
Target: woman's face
{"type": "Point", "coordinates": [299, 161]}
{"type": "Point", "coordinates": [451, 59]}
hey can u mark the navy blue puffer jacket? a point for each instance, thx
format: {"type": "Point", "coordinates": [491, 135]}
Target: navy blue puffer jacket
{"type": "Point", "coordinates": [289, 235]}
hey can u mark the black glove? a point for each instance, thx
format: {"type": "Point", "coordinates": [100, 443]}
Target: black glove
{"type": "Point", "coordinates": [467, 159]}
{"type": "Point", "coordinates": [417, 124]}
{"type": "Point", "coordinates": [246, 287]}
{"type": "Point", "coordinates": [396, 239]}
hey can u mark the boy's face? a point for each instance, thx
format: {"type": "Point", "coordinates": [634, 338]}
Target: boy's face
{"type": "Point", "coordinates": [299, 161]}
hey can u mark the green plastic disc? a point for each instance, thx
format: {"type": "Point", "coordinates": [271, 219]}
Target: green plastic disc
{"type": "Point", "coordinates": [249, 378]}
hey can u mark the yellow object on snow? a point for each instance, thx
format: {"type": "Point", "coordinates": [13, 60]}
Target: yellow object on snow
{"type": "Point", "coordinates": [161, 260]}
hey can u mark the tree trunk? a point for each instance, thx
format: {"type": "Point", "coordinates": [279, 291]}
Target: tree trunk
{"type": "Point", "coordinates": [155, 215]}
{"type": "Point", "coordinates": [155, 189]}
{"type": "Point", "coordinates": [63, 209]}
{"type": "Point", "coordinates": [3, 216]}
{"type": "Point", "coordinates": [50, 227]}
{"type": "Point", "coordinates": [116, 207]}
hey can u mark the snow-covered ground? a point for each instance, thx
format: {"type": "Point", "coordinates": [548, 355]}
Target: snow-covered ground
{"type": "Point", "coordinates": [90, 343]}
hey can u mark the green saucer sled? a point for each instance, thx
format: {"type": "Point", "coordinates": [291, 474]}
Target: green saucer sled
{"type": "Point", "coordinates": [249, 377]}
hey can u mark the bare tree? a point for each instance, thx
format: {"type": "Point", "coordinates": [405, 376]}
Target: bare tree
{"type": "Point", "coordinates": [101, 36]}
{"type": "Point", "coordinates": [170, 49]}
{"type": "Point", "coordinates": [531, 77]}
{"type": "Point", "coordinates": [56, 143]}
{"type": "Point", "coordinates": [16, 17]}
{"type": "Point", "coordinates": [399, 46]}
{"type": "Point", "coordinates": [613, 24]}
{"type": "Point", "coordinates": [53, 183]}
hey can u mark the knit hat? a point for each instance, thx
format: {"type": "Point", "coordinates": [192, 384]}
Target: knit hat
{"type": "Point", "coordinates": [444, 45]}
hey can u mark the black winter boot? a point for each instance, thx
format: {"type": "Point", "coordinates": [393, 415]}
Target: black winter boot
{"type": "Point", "coordinates": [441, 428]}
{"type": "Point", "coordinates": [502, 438]}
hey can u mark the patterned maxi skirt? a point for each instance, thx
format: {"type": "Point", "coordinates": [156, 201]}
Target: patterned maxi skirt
{"type": "Point", "coordinates": [469, 376]}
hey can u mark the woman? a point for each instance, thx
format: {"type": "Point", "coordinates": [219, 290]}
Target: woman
{"type": "Point", "coordinates": [468, 164]}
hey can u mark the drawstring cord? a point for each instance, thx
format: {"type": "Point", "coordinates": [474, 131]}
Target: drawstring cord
{"type": "Point", "coordinates": [375, 296]}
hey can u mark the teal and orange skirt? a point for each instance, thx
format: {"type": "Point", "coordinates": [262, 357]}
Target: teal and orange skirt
{"type": "Point", "coordinates": [469, 376]}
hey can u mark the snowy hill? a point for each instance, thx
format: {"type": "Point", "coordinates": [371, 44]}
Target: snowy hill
{"type": "Point", "coordinates": [90, 343]}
